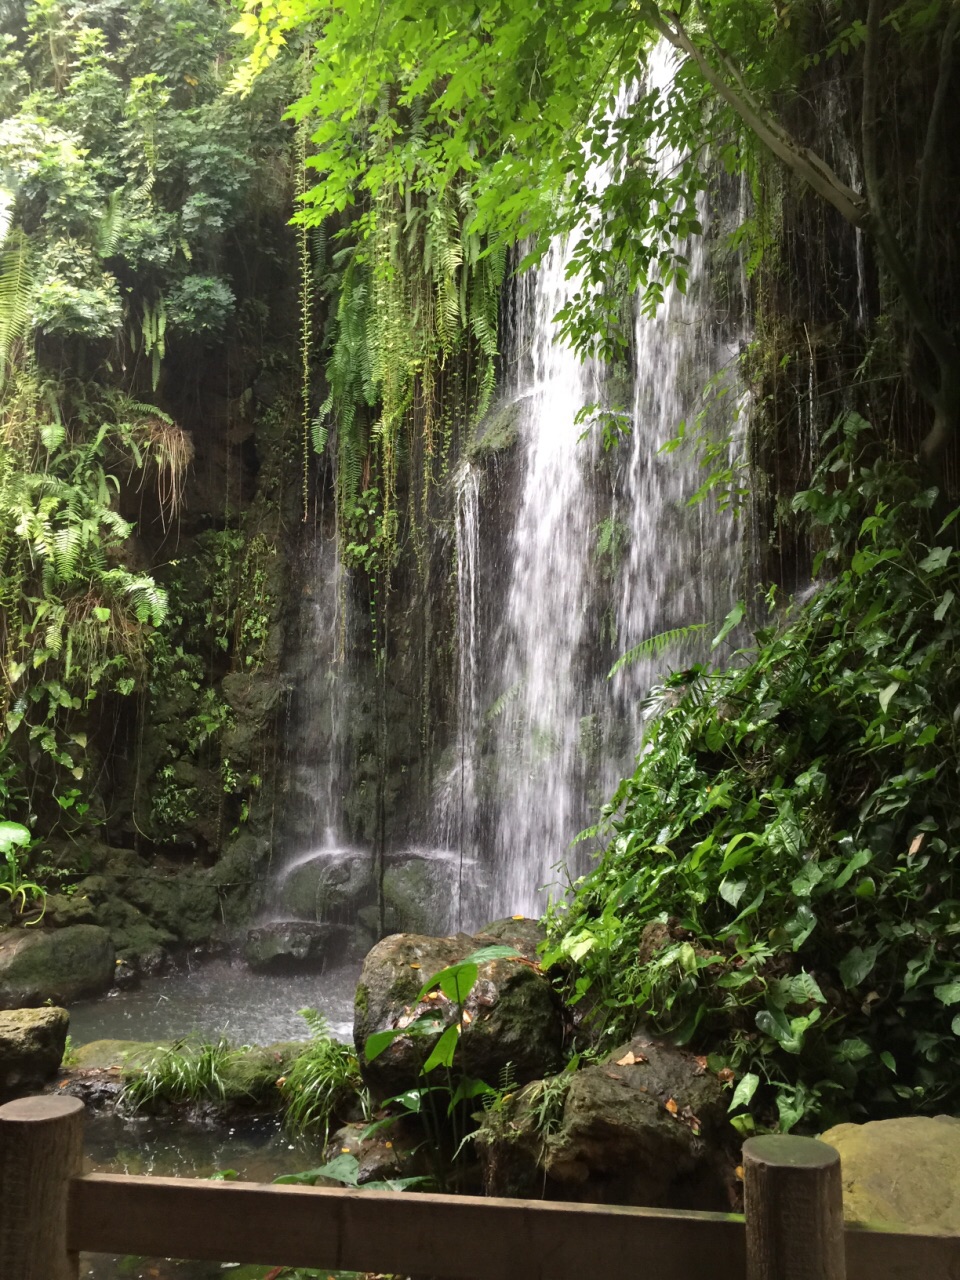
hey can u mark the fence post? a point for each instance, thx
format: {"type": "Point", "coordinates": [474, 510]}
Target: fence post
{"type": "Point", "coordinates": [41, 1149]}
{"type": "Point", "coordinates": [794, 1209]}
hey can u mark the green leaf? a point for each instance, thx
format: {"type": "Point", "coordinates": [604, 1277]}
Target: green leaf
{"type": "Point", "coordinates": [948, 993]}
{"type": "Point", "coordinates": [888, 1061]}
{"type": "Point", "coordinates": [955, 1025]}
{"type": "Point", "coordinates": [856, 965]}
{"type": "Point", "coordinates": [13, 834]}
{"type": "Point", "coordinates": [733, 619]}
{"type": "Point", "coordinates": [746, 1088]}
{"type": "Point", "coordinates": [444, 1049]}
{"type": "Point", "coordinates": [936, 559]}
{"type": "Point", "coordinates": [888, 693]}
{"type": "Point", "coordinates": [732, 890]}
{"type": "Point", "coordinates": [941, 610]}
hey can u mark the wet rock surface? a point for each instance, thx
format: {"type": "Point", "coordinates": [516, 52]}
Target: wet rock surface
{"type": "Point", "coordinates": [903, 1172]}
{"type": "Point", "coordinates": [58, 965]}
{"type": "Point", "coordinates": [646, 1127]}
{"type": "Point", "coordinates": [31, 1047]}
{"type": "Point", "coordinates": [286, 945]}
{"type": "Point", "coordinates": [512, 1017]}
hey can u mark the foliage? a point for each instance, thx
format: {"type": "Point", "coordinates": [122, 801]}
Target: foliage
{"type": "Point", "coordinates": [780, 880]}
{"type": "Point", "coordinates": [12, 837]}
{"type": "Point", "coordinates": [183, 1072]}
{"type": "Point", "coordinates": [345, 1169]}
{"type": "Point", "coordinates": [445, 1108]}
{"type": "Point", "coordinates": [322, 1081]}
{"type": "Point", "coordinates": [512, 109]}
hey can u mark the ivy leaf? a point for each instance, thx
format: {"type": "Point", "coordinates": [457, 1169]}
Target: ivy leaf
{"type": "Point", "coordinates": [744, 1091]}
{"type": "Point", "coordinates": [732, 890]}
{"type": "Point", "coordinates": [936, 559]}
{"type": "Point", "coordinates": [856, 965]}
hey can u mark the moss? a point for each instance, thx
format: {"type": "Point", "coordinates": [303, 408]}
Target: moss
{"type": "Point", "coordinates": [498, 431]}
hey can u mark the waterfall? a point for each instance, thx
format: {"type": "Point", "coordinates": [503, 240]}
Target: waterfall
{"type": "Point", "coordinates": [603, 553]}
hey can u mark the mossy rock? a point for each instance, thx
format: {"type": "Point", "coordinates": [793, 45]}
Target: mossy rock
{"type": "Point", "coordinates": [513, 1014]}
{"type": "Point", "coordinates": [31, 1047]}
{"type": "Point", "coordinates": [646, 1127]}
{"type": "Point", "coordinates": [59, 965]}
{"type": "Point", "coordinates": [104, 1054]}
{"type": "Point", "coordinates": [250, 1077]}
{"type": "Point", "coordinates": [902, 1173]}
{"type": "Point", "coordinates": [497, 432]}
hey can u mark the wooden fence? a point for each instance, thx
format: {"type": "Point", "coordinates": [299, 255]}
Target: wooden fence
{"type": "Point", "coordinates": [793, 1229]}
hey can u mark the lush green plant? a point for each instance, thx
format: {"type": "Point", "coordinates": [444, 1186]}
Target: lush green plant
{"type": "Point", "coordinates": [500, 110]}
{"type": "Point", "coordinates": [444, 1110]}
{"type": "Point", "coordinates": [322, 1081]}
{"type": "Point", "coordinates": [13, 836]}
{"type": "Point", "coordinates": [345, 1169]}
{"type": "Point", "coordinates": [780, 879]}
{"type": "Point", "coordinates": [183, 1072]}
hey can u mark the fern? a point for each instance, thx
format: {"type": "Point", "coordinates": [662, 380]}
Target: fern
{"type": "Point", "coordinates": [16, 283]}
{"type": "Point", "coordinates": [654, 646]}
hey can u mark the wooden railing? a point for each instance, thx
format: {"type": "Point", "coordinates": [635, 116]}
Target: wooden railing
{"type": "Point", "coordinates": [793, 1229]}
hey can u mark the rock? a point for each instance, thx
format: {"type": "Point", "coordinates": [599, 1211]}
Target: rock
{"type": "Point", "coordinates": [31, 1047]}
{"type": "Point", "coordinates": [54, 964]}
{"type": "Point", "coordinates": [292, 945]}
{"type": "Point", "coordinates": [646, 1127]}
{"type": "Point", "coordinates": [327, 887]}
{"type": "Point", "coordinates": [395, 1150]}
{"type": "Point", "coordinates": [250, 1075]}
{"type": "Point", "coordinates": [106, 1054]}
{"type": "Point", "coordinates": [512, 1013]}
{"type": "Point", "coordinates": [903, 1173]}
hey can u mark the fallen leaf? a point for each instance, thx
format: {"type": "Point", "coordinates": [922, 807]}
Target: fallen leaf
{"type": "Point", "coordinates": [414, 966]}
{"type": "Point", "coordinates": [517, 917]}
{"type": "Point", "coordinates": [344, 1151]}
{"type": "Point", "coordinates": [388, 1144]}
{"type": "Point", "coordinates": [671, 1106]}
{"type": "Point", "coordinates": [725, 1074]}
{"type": "Point", "coordinates": [915, 845]}
{"type": "Point", "coordinates": [281, 1082]}
{"type": "Point", "coordinates": [631, 1059]}
{"type": "Point", "coordinates": [701, 1065]}
{"type": "Point", "coordinates": [738, 1173]}
{"type": "Point", "coordinates": [467, 1017]}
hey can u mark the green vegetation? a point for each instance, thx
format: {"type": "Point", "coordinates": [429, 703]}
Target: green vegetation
{"type": "Point", "coordinates": [323, 1082]}
{"type": "Point", "coordinates": [780, 884]}
{"type": "Point", "coordinates": [183, 1072]}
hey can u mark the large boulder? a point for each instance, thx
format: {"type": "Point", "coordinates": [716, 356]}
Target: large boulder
{"type": "Point", "coordinates": [903, 1173]}
{"type": "Point", "coordinates": [31, 1047]}
{"type": "Point", "coordinates": [646, 1127]}
{"type": "Point", "coordinates": [54, 964]}
{"type": "Point", "coordinates": [512, 1017]}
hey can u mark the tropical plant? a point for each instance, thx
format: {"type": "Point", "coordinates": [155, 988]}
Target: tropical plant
{"type": "Point", "coordinates": [517, 106]}
{"type": "Point", "coordinates": [322, 1082]}
{"type": "Point", "coordinates": [779, 883]}
{"type": "Point", "coordinates": [13, 836]}
{"type": "Point", "coordinates": [444, 1110]}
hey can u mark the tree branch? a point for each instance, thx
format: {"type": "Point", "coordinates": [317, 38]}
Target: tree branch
{"type": "Point", "coordinates": [805, 163]}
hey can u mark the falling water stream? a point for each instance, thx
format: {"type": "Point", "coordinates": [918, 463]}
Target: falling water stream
{"type": "Point", "coordinates": [599, 552]}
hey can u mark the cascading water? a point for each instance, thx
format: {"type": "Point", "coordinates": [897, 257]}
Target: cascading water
{"type": "Point", "coordinates": [537, 714]}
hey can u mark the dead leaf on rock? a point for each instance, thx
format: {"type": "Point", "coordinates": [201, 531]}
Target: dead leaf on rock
{"type": "Point", "coordinates": [701, 1065]}
{"type": "Point", "coordinates": [631, 1059]}
{"type": "Point", "coordinates": [725, 1074]}
{"type": "Point", "coordinates": [671, 1105]}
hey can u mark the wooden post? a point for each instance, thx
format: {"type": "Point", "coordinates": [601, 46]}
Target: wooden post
{"type": "Point", "coordinates": [794, 1209]}
{"type": "Point", "coordinates": [41, 1149]}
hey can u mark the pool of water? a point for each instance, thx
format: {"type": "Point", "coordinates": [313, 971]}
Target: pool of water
{"type": "Point", "coordinates": [255, 1150]}
{"type": "Point", "coordinates": [212, 999]}
{"type": "Point", "coordinates": [218, 998]}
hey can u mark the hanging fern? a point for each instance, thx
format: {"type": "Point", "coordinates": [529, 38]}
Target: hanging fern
{"type": "Point", "coordinates": [16, 283]}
